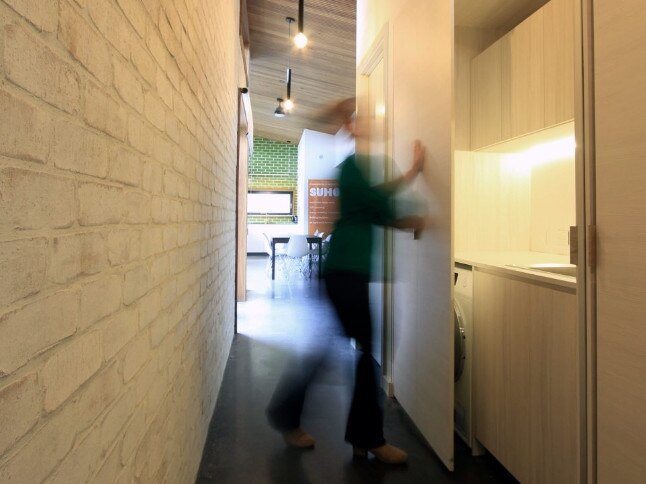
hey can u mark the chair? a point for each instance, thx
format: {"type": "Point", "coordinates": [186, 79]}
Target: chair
{"type": "Point", "coordinates": [280, 252]}
{"type": "Point", "coordinates": [297, 249]}
{"type": "Point", "coordinates": [325, 248]}
{"type": "Point", "coordinates": [325, 245]}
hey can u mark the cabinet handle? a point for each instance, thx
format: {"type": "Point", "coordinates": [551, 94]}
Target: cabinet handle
{"type": "Point", "coordinates": [574, 244]}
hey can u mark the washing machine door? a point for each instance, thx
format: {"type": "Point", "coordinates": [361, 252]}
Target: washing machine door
{"type": "Point", "coordinates": [459, 339]}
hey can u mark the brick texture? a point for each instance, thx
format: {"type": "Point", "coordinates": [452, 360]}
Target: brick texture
{"type": "Point", "coordinates": [25, 132]}
{"type": "Point", "coordinates": [274, 166]}
{"type": "Point", "coordinates": [117, 223]}
{"type": "Point", "coordinates": [23, 265]}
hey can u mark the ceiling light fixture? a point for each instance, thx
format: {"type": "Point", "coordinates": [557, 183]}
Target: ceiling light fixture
{"type": "Point", "coordinates": [279, 112]}
{"type": "Point", "coordinates": [300, 39]}
{"type": "Point", "coordinates": [289, 104]}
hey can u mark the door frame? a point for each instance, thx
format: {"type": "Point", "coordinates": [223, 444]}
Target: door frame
{"type": "Point", "coordinates": [244, 135]}
{"type": "Point", "coordinates": [376, 53]}
{"type": "Point", "coordinates": [586, 256]}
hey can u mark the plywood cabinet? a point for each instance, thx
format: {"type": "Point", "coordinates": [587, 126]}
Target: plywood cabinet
{"type": "Point", "coordinates": [526, 70]}
{"type": "Point", "coordinates": [526, 395]}
{"type": "Point", "coordinates": [530, 73]}
{"type": "Point", "coordinates": [486, 101]}
{"type": "Point", "coordinates": [558, 56]}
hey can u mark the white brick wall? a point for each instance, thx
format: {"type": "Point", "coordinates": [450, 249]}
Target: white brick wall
{"type": "Point", "coordinates": [117, 186]}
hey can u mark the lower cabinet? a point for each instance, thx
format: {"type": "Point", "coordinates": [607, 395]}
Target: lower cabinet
{"type": "Point", "coordinates": [526, 376]}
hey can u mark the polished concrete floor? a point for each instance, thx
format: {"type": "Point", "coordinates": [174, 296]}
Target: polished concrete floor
{"type": "Point", "coordinates": [279, 323]}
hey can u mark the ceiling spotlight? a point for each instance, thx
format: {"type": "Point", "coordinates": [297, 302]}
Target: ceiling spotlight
{"type": "Point", "coordinates": [300, 39]}
{"type": "Point", "coordinates": [288, 104]}
{"type": "Point", "coordinates": [280, 110]}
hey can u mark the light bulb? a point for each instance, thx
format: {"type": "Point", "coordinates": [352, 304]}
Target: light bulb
{"type": "Point", "coordinates": [300, 40]}
{"type": "Point", "coordinates": [288, 105]}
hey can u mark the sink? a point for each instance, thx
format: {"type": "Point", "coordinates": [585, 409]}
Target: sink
{"type": "Point", "coordinates": [563, 269]}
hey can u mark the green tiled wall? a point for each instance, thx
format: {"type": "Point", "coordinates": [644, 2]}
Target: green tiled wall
{"type": "Point", "coordinates": [273, 166]}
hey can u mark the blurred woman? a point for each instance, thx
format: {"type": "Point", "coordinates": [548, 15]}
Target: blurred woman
{"type": "Point", "coordinates": [347, 277]}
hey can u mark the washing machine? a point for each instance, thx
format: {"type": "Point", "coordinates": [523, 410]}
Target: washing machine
{"type": "Point", "coordinates": [463, 327]}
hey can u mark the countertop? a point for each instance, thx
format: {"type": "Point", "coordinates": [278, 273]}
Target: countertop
{"type": "Point", "coordinates": [500, 261]}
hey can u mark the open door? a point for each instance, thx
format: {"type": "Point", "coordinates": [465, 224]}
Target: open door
{"type": "Point", "coordinates": [244, 152]}
{"type": "Point", "coordinates": [619, 120]}
{"type": "Point", "coordinates": [422, 80]}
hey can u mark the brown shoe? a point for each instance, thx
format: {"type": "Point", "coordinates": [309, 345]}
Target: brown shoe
{"type": "Point", "coordinates": [388, 454]}
{"type": "Point", "coordinates": [298, 438]}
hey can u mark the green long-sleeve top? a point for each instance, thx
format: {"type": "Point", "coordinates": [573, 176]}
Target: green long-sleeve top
{"type": "Point", "coordinates": [361, 206]}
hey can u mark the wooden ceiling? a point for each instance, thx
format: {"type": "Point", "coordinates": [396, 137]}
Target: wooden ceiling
{"type": "Point", "coordinates": [322, 73]}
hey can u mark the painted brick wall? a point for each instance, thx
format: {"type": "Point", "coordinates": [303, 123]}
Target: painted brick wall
{"type": "Point", "coordinates": [273, 166]}
{"type": "Point", "coordinates": [117, 199]}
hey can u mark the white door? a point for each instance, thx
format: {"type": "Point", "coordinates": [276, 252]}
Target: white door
{"type": "Point", "coordinates": [620, 178]}
{"type": "Point", "coordinates": [377, 112]}
{"type": "Point", "coordinates": [422, 58]}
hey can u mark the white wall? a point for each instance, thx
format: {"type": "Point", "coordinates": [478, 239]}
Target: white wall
{"type": "Point", "coordinates": [343, 145]}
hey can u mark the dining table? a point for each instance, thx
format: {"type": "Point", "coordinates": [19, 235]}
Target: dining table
{"type": "Point", "coordinates": [283, 239]}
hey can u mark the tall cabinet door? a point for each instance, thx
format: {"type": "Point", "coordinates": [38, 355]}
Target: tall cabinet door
{"type": "Point", "coordinates": [486, 92]}
{"type": "Point", "coordinates": [422, 56]}
{"type": "Point", "coordinates": [526, 71]}
{"type": "Point", "coordinates": [620, 144]}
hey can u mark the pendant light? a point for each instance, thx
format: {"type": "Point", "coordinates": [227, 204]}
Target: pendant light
{"type": "Point", "coordinates": [279, 112]}
{"type": "Point", "coordinates": [300, 39]}
{"type": "Point", "coordinates": [289, 104]}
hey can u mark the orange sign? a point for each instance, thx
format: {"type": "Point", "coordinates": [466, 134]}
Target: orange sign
{"type": "Point", "coordinates": [323, 205]}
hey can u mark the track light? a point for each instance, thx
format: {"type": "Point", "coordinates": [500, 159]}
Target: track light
{"type": "Point", "coordinates": [279, 112]}
{"type": "Point", "coordinates": [288, 104]}
{"type": "Point", "coordinates": [300, 39]}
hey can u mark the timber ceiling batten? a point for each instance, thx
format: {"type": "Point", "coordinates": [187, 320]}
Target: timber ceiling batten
{"type": "Point", "coordinates": [323, 72]}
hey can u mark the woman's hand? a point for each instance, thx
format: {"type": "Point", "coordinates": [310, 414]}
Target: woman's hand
{"type": "Point", "coordinates": [418, 161]}
{"type": "Point", "coordinates": [408, 176]}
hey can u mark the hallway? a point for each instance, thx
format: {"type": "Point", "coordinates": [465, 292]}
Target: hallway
{"type": "Point", "coordinates": [283, 318]}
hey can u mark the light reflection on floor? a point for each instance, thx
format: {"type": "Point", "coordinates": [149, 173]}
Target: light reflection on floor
{"type": "Point", "coordinates": [280, 322]}
{"type": "Point", "coordinates": [290, 310]}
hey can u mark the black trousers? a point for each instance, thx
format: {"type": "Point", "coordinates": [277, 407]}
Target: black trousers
{"type": "Point", "coordinates": [348, 292]}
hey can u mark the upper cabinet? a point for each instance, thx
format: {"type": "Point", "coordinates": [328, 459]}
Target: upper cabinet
{"type": "Point", "coordinates": [486, 107]}
{"type": "Point", "coordinates": [524, 82]}
{"type": "Point", "coordinates": [558, 61]}
{"type": "Point", "coordinates": [526, 76]}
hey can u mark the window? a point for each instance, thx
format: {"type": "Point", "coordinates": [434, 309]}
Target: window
{"type": "Point", "coordinates": [269, 203]}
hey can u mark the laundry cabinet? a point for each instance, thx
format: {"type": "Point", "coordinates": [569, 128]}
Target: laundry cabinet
{"type": "Point", "coordinates": [526, 373]}
{"type": "Point", "coordinates": [558, 61]}
{"type": "Point", "coordinates": [486, 105]}
{"type": "Point", "coordinates": [524, 82]}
